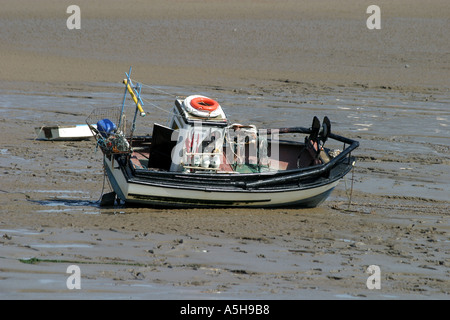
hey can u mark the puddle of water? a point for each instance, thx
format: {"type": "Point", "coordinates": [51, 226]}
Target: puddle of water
{"type": "Point", "coordinates": [346, 296]}
{"type": "Point", "coordinates": [20, 231]}
{"type": "Point", "coordinates": [69, 205]}
{"type": "Point", "coordinates": [47, 281]}
{"type": "Point", "coordinates": [65, 203]}
{"type": "Point", "coordinates": [72, 210]}
{"type": "Point", "coordinates": [63, 192]}
{"type": "Point", "coordinates": [60, 245]}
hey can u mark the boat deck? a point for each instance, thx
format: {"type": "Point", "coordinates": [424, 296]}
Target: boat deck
{"type": "Point", "coordinates": [143, 157]}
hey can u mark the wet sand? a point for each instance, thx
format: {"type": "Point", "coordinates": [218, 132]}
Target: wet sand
{"type": "Point", "coordinates": [389, 88]}
{"type": "Point", "coordinates": [228, 43]}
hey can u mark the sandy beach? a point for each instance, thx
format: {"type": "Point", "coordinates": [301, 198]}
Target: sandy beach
{"type": "Point", "coordinates": [227, 42]}
{"type": "Point", "coordinates": [388, 88]}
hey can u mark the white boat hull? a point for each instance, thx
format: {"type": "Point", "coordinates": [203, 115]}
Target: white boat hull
{"type": "Point", "coordinates": [157, 195]}
{"type": "Point", "coordinates": [63, 133]}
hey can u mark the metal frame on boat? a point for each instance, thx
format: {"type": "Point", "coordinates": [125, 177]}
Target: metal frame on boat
{"type": "Point", "coordinates": [200, 160]}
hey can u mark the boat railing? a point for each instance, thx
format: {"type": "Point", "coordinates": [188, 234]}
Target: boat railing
{"type": "Point", "coordinates": [310, 171]}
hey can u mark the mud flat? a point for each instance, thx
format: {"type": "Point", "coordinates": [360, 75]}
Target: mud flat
{"type": "Point", "coordinates": [389, 90]}
{"type": "Point", "coordinates": [391, 211]}
{"type": "Point", "coordinates": [228, 43]}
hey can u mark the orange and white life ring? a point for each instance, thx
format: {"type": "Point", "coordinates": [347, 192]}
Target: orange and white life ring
{"type": "Point", "coordinates": [202, 106]}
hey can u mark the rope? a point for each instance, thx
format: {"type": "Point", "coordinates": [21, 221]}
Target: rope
{"type": "Point", "coordinates": [351, 189]}
{"type": "Point", "coordinates": [153, 104]}
{"type": "Point", "coordinates": [156, 106]}
{"type": "Point", "coordinates": [154, 88]}
{"type": "Point", "coordinates": [103, 185]}
{"type": "Point", "coordinates": [40, 130]}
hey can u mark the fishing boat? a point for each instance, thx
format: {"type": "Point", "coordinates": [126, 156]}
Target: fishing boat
{"type": "Point", "coordinates": [200, 159]}
{"type": "Point", "coordinates": [64, 133]}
